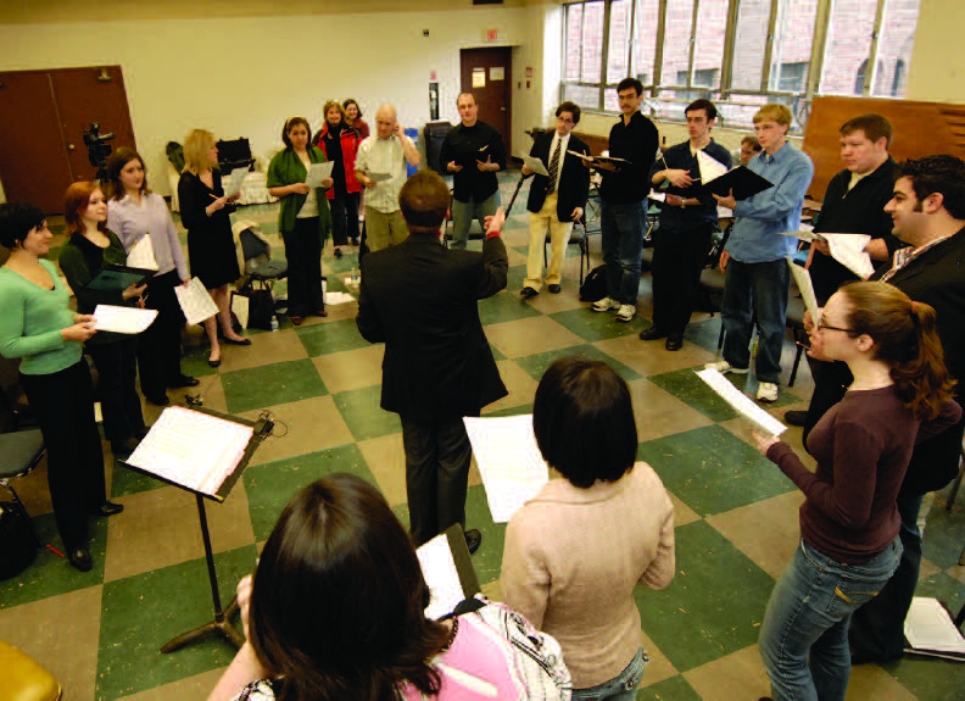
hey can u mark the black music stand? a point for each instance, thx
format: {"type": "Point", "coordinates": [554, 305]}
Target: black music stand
{"type": "Point", "coordinates": [221, 625]}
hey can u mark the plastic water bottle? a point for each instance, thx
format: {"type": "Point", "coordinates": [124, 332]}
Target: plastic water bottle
{"type": "Point", "coordinates": [354, 276]}
{"type": "Point", "coordinates": [274, 322]}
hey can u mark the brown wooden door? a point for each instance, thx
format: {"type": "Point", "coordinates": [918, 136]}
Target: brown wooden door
{"type": "Point", "coordinates": [86, 95]}
{"type": "Point", "coordinates": [33, 161]}
{"type": "Point", "coordinates": [493, 67]}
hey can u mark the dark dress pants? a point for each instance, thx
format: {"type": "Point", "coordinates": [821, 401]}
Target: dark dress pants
{"type": "Point", "coordinates": [64, 405]}
{"type": "Point", "coordinates": [159, 347]}
{"type": "Point", "coordinates": [345, 215]}
{"type": "Point", "coordinates": [678, 258]}
{"type": "Point", "coordinates": [303, 250]}
{"type": "Point", "coordinates": [116, 364]}
{"type": "Point", "coordinates": [437, 457]}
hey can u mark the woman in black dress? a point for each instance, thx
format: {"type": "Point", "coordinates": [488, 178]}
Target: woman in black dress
{"type": "Point", "coordinates": [205, 213]}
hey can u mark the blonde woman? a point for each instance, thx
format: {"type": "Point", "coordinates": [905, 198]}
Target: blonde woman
{"type": "Point", "coordinates": [205, 213]}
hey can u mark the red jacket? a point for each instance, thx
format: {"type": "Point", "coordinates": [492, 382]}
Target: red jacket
{"type": "Point", "coordinates": [350, 139]}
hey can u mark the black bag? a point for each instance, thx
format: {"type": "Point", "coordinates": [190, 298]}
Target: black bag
{"type": "Point", "coordinates": [261, 308]}
{"type": "Point", "coordinates": [17, 545]}
{"type": "Point", "coordinates": [594, 285]}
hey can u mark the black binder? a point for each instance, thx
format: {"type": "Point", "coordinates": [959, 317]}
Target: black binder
{"type": "Point", "coordinates": [743, 181]}
{"type": "Point", "coordinates": [119, 277]}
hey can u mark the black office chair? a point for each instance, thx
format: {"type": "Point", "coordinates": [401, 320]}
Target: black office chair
{"type": "Point", "coordinates": [20, 453]}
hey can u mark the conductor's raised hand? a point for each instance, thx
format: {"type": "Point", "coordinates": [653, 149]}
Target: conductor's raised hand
{"type": "Point", "coordinates": [452, 167]}
{"type": "Point", "coordinates": [495, 221]}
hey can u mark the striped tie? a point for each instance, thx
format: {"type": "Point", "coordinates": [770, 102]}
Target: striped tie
{"type": "Point", "coordinates": [554, 167]}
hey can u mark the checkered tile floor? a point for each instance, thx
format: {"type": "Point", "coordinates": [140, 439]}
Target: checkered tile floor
{"type": "Point", "coordinates": [736, 514]}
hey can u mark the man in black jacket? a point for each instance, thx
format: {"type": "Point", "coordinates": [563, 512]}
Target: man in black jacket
{"type": "Point", "coordinates": [420, 299]}
{"type": "Point", "coordinates": [556, 200]}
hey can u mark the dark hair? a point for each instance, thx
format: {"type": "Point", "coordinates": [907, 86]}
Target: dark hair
{"type": "Point", "coordinates": [628, 83]}
{"type": "Point", "coordinates": [754, 143]}
{"type": "Point", "coordinates": [76, 201]}
{"type": "Point", "coordinates": [702, 104]}
{"type": "Point", "coordinates": [424, 201]}
{"type": "Point", "coordinates": [583, 421]}
{"type": "Point", "coordinates": [572, 108]}
{"type": "Point", "coordinates": [338, 599]}
{"type": "Point", "coordinates": [905, 338]}
{"type": "Point", "coordinates": [874, 126]}
{"type": "Point", "coordinates": [350, 101]}
{"type": "Point", "coordinates": [115, 164]}
{"type": "Point", "coordinates": [291, 124]}
{"type": "Point", "coordinates": [942, 174]}
{"type": "Point", "coordinates": [465, 93]}
{"type": "Point", "coordinates": [16, 221]}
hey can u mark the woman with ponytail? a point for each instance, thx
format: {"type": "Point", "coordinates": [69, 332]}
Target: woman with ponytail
{"type": "Point", "coordinates": [901, 395]}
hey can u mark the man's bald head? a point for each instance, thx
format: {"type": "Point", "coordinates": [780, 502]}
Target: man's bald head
{"type": "Point", "coordinates": [385, 120]}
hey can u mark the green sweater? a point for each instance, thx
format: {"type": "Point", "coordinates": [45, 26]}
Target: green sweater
{"type": "Point", "coordinates": [286, 168]}
{"type": "Point", "coordinates": [31, 323]}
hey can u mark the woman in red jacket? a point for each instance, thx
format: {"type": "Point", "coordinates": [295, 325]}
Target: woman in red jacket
{"type": "Point", "coordinates": [339, 142]}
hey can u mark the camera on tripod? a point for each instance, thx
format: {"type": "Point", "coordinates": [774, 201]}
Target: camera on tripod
{"type": "Point", "coordinates": [98, 149]}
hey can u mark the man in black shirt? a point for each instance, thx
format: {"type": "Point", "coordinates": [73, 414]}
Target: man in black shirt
{"type": "Point", "coordinates": [473, 152]}
{"type": "Point", "coordinates": [623, 196]}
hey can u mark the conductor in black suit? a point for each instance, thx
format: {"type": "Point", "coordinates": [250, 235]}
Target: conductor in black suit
{"type": "Point", "coordinates": [555, 201]}
{"type": "Point", "coordinates": [420, 298]}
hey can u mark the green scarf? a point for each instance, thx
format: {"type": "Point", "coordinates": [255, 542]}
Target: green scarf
{"type": "Point", "coordinates": [286, 168]}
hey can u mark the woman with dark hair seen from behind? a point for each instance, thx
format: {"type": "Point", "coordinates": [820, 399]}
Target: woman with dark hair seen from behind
{"type": "Point", "coordinates": [37, 326]}
{"type": "Point", "coordinates": [336, 611]}
{"type": "Point", "coordinates": [205, 213]}
{"type": "Point", "coordinates": [339, 141]}
{"type": "Point", "coordinates": [353, 116]}
{"type": "Point", "coordinates": [134, 212]}
{"type": "Point", "coordinates": [304, 220]}
{"type": "Point", "coordinates": [575, 551]}
{"type": "Point", "coordinates": [849, 548]}
{"type": "Point", "coordinates": [91, 247]}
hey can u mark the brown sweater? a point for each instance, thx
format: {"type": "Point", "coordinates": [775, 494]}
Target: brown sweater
{"type": "Point", "coordinates": [573, 557]}
{"type": "Point", "coordinates": [862, 446]}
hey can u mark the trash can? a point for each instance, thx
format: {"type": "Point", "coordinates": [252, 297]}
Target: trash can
{"type": "Point", "coordinates": [435, 134]}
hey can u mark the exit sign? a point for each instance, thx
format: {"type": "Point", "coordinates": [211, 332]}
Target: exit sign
{"type": "Point", "coordinates": [492, 35]}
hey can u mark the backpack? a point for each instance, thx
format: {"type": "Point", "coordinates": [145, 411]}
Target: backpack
{"type": "Point", "coordinates": [594, 285]}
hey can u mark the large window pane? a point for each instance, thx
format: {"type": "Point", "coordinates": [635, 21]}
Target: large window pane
{"type": "Point", "coordinates": [618, 50]}
{"type": "Point", "coordinates": [592, 53]}
{"type": "Point", "coordinates": [709, 50]}
{"type": "Point", "coordinates": [848, 47]}
{"type": "Point", "coordinates": [752, 25]}
{"type": "Point", "coordinates": [587, 98]}
{"type": "Point", "coordinates": [645, 40]}
{"type": "Point", "coordinates": [894, 47]}
{"type": "Point", "coordinates": [791, 53]}
{"type": "Point", "coordinates": [574, 42]}
{"type": "Point", "coordinates": [676, 41]}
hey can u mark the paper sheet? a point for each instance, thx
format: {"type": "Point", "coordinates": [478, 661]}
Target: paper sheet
{"type": "Point", "coordinates": [439, 569]}
{"type": "Point", "coordinates": [848, 250]}
{"type": "Point", "coordinates": [509, 461]}
{"type": "Point", "coordinates": [710, 167]}
{"type": "Point", "coordinates": [379, 177]}
{"type": "Point", "coordinates": [802, 278]}
{"type": "Point", "coordinates": [607, 159]}
{"type": "Point", "coordinates": [195, 301]}
{"type": "Point", "coordinates": [142, 254]}
{"type": "Point", "coordinates": [235, 181]}
{"type": "Point", "coordinates": [317, 172]}
{"type": "Point", "coordinates": [535, 164]}
{"type": "Point", "coordinates": [928, 626]}
{"type": "Point", "coordinates": [240, 305]}
{"type": "Point", "coordinates": [192, 449]}
{"type": "Point", "coordinates": [657, 195]}
{"type": "Point", "coordinates": [338, 298]}
{"type": "Point", "coordinates": [741, 402]}
{"type": "Point", "coordinates": [130, 320]}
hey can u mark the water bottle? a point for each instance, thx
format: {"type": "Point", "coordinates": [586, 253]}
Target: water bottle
{"type": "Point", "coordinates": [274, 322]}
{"type": "Point", "coordinates": [354, 276]}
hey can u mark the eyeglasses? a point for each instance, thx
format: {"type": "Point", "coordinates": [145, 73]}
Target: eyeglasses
{"type": "Point", "coordinates": [825, 327]}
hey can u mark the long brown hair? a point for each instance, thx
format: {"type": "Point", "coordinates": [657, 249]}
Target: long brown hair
{"type": "Point", "coordinates": [115, 164]}
{"type": "Point", "coordinates": [905, 338]}
{"type": "Point", "coordinates": [76, 201]}
{"type": "Point", "coordinates": [338, 599]}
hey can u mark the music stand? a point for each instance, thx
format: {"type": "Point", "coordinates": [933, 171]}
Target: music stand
{"type": "Point", "coordinates": [221, 625]}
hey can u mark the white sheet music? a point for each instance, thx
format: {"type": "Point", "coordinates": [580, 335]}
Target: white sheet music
{"type": "Point", "coordinates": [192, 449]}
{"type": "Point", "coordinates": [929, 626]}
{"type": "Point", "coordinates": [741, 402]}
{"type": "Point", "coordinates": [802, 278]}
{"type": "Point", "coordinates": [195, 301]}
{"type": "Point", "coordinates": [848, 250]}
{"type": "Point", "coordinates": [317, 172]}
{"type": "Point", "coordinates": [130, 320]}
{"type": "Point", "coordinates": [235, 181]}
{"type": "Point", "coordinates": [710, 167]}
{"type": "Point", "coordinates": [142, 254]}
{"type": "Point", "coordinates": [439, 569]}
{"type": "Point", "coordinates": [535, 164]}
{"type": "Point", "coordinates": [657, 195]}
{"type": "Point", "coordinates": [511, 466]}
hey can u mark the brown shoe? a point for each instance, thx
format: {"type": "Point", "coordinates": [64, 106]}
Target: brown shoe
{"type": "Point", "coordinates": [296, 320]}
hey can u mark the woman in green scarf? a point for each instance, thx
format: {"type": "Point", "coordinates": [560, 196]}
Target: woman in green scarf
{"type": "Point", "coordinates": [304, 221]}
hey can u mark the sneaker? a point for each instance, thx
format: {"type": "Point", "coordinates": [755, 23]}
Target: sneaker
{"type": "Point", "coordinates": [605, 305]}
{"type": "Point", "coordinates": [625, 313]}
{"type": "Point", "coordinates": [723, 367]}
{"type": "Point", "coordinates": [767, 392]}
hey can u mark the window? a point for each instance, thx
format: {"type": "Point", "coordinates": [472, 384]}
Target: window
{"type": "Point", "coordinates": [739, 53]}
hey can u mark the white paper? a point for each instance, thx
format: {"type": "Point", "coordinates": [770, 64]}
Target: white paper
{"type": "Point", "coordinates": [193, 449]}
{"type": "Point", "coordinates": [338, 298]}
{"type": "Point", "coordinates": [741, 402]}
{"type": "Point", "coordinates": [317, 172]}
{"type": "Point", "coordinates": [497, 73]}
{"type": "Point", "coordinates": [439, 570]}
{"type": "Point", "coordinates": [142, 254]}
{"type": "Point", "coordinates": [509, 461]}
{"type": "Point", "coordinates": [657, 195]}
{"type": "Point", "coordinates": [130, 320]}
{"type": "Point", "coordinates": [235, 181]}
{"type": "Point", "coordinates": [195, 301]}
{"type": "Point", "coordinates": [710, 167]}
{"type": "Point", "coordinates": [802, 278]}
{"type": "Point", "coordinates": [535, 164]}
{"type": "Point", "coordinates": [805, 234]}
{"type": "Point", "coordinates": [379, 177]}
{"type": "Point", "coordinates": [240, 305]}
{"type": "Point", "coordinates": [848, 250]}
{"type": "Point", "coordinates": [724, 212]}
{"type": "Point", "coordinates": [928, 626]}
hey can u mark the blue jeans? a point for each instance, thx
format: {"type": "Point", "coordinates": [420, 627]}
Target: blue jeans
{"type": "Point", "coordinates": [804, 638]}
{"type": "Point", "coordinates": [761, 288]}
{"type": "Point", "coordinates": [622, 687]}
{"type": "Point", "coordinates": [464, 212]}
{"type": "Point", "coordinates": [623, 227]}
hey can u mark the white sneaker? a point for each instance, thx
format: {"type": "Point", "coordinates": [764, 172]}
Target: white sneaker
{"type": "Point", "coordinates": [605, 305]}
{"type": "Point", "coordinates": [767, 392]}
{"type": "Point", "coordinates": [626, 313]}
{"type": "Point", "coordinates": [723, 367]}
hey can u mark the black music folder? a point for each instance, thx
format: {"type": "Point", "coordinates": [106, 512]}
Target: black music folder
{"type": "Point", "coordinates": [743, 181]}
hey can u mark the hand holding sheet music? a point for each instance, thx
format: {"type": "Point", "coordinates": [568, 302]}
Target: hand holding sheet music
{"type": "Point", "coordinates": [535, 164]}
{"type": "Point", "coordinates": [849, 251]}
{"type": "Point", "coordinates": [195, 301]}
{"type": "Point", "coordinates": [127, 320]}
{"type": "Point", "coordinates": [318, 173]}
{"type": "Point", "coordinates": [447, 568]}
{"type": "Point", "coordinates": [235, 181]}
{"type": "Point", "coordinates": [741, 402]}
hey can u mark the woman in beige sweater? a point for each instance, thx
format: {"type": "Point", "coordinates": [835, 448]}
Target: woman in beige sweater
{"type": "Point", "coordinates": [575, 551]}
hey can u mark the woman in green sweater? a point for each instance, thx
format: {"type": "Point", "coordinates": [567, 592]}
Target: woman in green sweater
{"type": "Point", "coordinates": [38, 327]}
{"type": "Point", "coordinates": [92, 246]}
{"type": "Point", "coordinates": [304, 221]}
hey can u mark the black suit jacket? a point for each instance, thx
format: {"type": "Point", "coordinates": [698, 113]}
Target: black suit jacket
{"type": "Point", "coordinates": [421, 299]}
{"type": "Point", "coordinates": [574, 180]}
